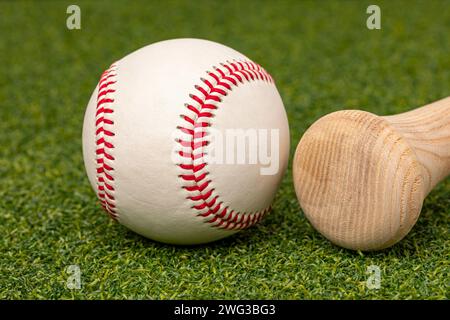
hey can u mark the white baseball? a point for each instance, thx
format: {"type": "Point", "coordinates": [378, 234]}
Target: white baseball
{"type": "Point", "coordinates": [146, 137]}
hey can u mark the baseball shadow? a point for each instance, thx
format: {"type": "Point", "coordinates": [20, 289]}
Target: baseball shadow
{"type": "Point", "coordinates": [243, 238]}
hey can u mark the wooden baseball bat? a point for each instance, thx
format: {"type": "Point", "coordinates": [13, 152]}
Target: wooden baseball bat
{"type": "Point", "coordinates": [361, 179]}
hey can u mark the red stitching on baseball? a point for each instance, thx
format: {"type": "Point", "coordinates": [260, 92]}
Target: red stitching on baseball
{"type": "Point", "coordinates": [198, 116]}
{"type": "Point", "coordinates": [104, 136]}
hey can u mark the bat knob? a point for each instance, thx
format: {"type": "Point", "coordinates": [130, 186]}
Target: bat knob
{"type": "Point", "coordinates": [358, 180]}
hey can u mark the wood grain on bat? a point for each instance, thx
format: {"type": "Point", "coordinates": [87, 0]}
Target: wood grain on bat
{"type": "Point", "coordinates": [361, 178]}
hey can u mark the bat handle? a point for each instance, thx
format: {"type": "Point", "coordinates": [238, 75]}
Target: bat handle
{"type": "Point", "coordinates": [427, 130]}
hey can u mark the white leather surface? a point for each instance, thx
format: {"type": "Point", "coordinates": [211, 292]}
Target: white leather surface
{"type": "Point", "coordinates": [153, 85]}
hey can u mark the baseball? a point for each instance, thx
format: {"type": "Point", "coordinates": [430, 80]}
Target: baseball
{"type": "Point", "coordinates": [185, 141]}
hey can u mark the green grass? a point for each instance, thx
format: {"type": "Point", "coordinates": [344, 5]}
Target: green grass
{"type": "Point", "coordinates": [323, 58]}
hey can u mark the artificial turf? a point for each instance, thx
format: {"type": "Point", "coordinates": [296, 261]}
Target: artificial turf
{"type": "Point", "coordinates": [323, 59]}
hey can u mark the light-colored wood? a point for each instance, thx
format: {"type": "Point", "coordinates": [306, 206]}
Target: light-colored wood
{"type": "Point", "coordinates": [361, 179]}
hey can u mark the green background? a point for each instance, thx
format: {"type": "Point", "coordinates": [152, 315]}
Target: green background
{"type": "Point", "coordinates": [323, 58]}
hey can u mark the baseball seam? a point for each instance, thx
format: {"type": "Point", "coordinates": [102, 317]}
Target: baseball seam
{"type": "Point", "coordinates": [104, 136]}
{"type": "Point", "coordinates": [194, 137]}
